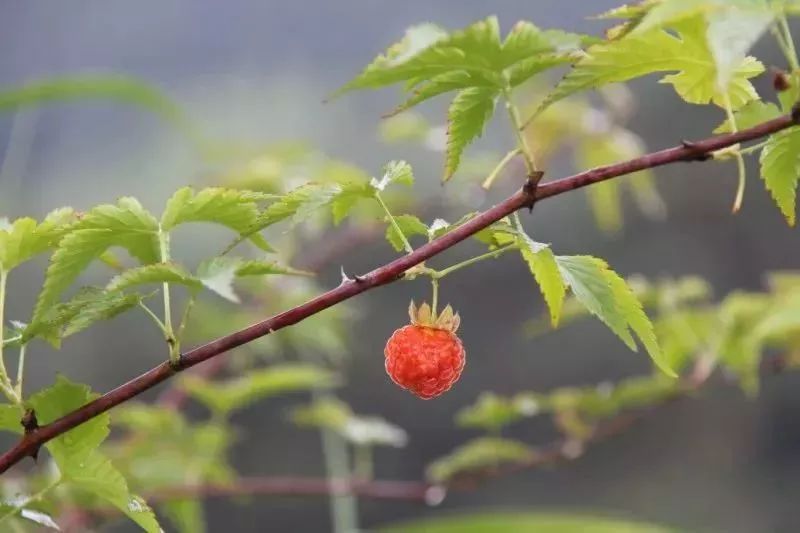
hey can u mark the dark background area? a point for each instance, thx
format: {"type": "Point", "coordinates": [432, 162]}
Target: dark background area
{"type": "Point", "coordinates": [259, 71]}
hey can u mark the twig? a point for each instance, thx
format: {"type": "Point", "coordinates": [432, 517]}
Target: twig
{"type": "Point", "coordinates": [526, 197]}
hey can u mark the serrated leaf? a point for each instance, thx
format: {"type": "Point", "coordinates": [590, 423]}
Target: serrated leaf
{"type": "Point", "coordinates": [96, 475]}
{"type": "Point", "coordinates": [606, 295]}
{"type": "Point", "coordinates": [409, 225]}
{"type": "Point", "coordinates": [126, 224]}
{"type": "Point", "coordinates": [155, 273]}
{"type": "Point", "coordinates": [478, 454]}
{"type": "Point", "coordinates": [731, 34]}
{"type": "Point", "coordinates": [652, 15]}
{"type": "Point", "coordinates": [467, 116]}
{"type": "Point", "coordinates": [88, 306]}
{"type": "Point", "coordinates": [24, 238]}
{"type": "Point", "coordinates": [687, 54]}
{"type": "Point", "coordinates": [780, 170]}
{"type": "Point", "coordinates": [70, 449]}
{"type": "Point", "coordinates": [232, 208]}
{"type": "Point", "coordinates": [751, 114]}
{"type": "Point", "coordinates": [226, 396]}
{"type": "Point", "coordinates": [260, 267]}
{"type": "Point", "coordinates": [542, 264]}
{"type": "Point", "coordinates": [219, 273]}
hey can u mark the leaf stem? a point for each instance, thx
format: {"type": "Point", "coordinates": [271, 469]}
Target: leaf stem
{"type": "Point", "coordinates": [185, 318]}
{"type": "Point", "coordinates": [395, 225]}
{"type": "Point", "coordinates": [522, 142]}
{"type": "Point", "coordinates": [790, 52]}
{"type": "Point", "coordinates": [169, 334]}
{"type": "Point", "coordinates": [754, 148]}
{"type": "Point", "coordinates": [742, 171]}
{"type": "Point", "coordinates": [458, 266]}
{"type": "Point", "coordinates": [487, 183]}
{"type": "Point", "coordinates": [20, 370]}
{"type": "Point", "coordinates": [153, 316]}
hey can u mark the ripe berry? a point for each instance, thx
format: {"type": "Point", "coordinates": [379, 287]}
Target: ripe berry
{"type": "Point", "coordinates": [426, 357]}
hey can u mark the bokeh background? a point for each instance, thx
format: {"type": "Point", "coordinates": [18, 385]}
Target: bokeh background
{"type": "Point", "coordinates": [259, 70]}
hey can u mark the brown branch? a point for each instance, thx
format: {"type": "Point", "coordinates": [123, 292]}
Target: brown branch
{"type": "Point", "coordinates": [525, 197]}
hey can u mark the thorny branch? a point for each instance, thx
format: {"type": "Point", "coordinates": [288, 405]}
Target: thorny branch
{"type": "Point", "coordinates": [526, 197]}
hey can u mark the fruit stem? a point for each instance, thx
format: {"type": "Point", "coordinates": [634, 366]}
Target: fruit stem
{"type": "Point", "coordinates": [435, 297]}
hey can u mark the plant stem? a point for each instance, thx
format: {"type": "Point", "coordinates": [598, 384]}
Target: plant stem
{"type": "Point", "coordinates": [343, 507]}
{"type": "Point", "coordinates": [169, 334]}
{"type": "Point", "coordinates": [522, 142]}
{"type": "Point", "coordinates": [487, 183]}
{"type": "Point", "coordinates": [185, 318]}
{"type": "Point", "coordinates": [742, 171]}
{"type": "Point", "coordinates": [754, 148]}
{"type": "Point", "coordinates": [394, 223]}
{"type": "Point", "coordinates": [458, 266]}
{"type": "Point", "coordinates": [790, 52]}
{"type": "Point", "coordinates": [363, 467]}
{"type": "Point", "coordinates": [5, 382]}
{"type": "Point", "coordinates": [154, 317]}
{"type": "Point", "coordinates": [20, 370]}
{"type": "Point", "coordinates": [435, 296]}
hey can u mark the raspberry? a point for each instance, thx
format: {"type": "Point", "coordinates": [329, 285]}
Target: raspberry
{"type": "Point", "coordinates": [426, 357]}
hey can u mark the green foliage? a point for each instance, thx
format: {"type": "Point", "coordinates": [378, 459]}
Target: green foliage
{"type": "Point", "coordinates": [125, 224]}
{"type": "Point", "coordinates": [124, 89]}
{"type": "Point", "coordinates": [696, 70]}
{"type": "Point", "coordinates": [487, 522]}
{"type": "Point", "coordinates": [24, 238]}
{"type": "Point", "coordinates": [475, 62]}
{"type": "Point", "coordinates": [492, 413]}
{"type": "Point", "coordinates": [608, 297]}
{"type": "Point", "coordinates": [331, 413]}
{"type": "Point", "coordinates": [232, 208]}
{"type": "Point", "coordinates": [545, 269]}
{"type": "Point", "coordinates": [76, 454]}
{"type": "Point", "coordinates": [225, 396]}
{"type": "Point", "coordinates": [780, 169]}
{"type": "Point", "coordinates": [479, 454]}
{"type": "Point", "coordinates": [409, 225]}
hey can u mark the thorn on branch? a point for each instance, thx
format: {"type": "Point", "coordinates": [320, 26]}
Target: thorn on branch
{"type": "Point", "coordinates": [530, 187]}
{"type": "Point", "coordinates": [699, 154]}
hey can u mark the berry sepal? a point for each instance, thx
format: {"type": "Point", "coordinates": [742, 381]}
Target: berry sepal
{"type": "Point", "coordinates": [424, 316]}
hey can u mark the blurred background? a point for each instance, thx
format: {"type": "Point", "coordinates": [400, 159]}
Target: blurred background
{"type": "Point", "coordinates": [257, 72]}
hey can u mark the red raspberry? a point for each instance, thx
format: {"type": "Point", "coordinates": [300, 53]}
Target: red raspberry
{"type": "Point", "coordinates": [426, 357]}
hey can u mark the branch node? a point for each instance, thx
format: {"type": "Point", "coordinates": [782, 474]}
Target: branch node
{"type": "Point", "coordinates": [698, 153]}
{"type": "Point", "coordinates": [796, 113]}
{"type": "Point", "coordinates": [530, 187]}
{"type": "Point", "coordinates": [176, 363]}
{"type": "Point", "coordinates": [31, 424]}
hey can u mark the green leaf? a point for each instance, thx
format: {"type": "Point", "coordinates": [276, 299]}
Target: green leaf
{"type": "Point", "coordinates": [73, 447]}
{"type": "Point", "coordinates": [125, 89]}
{"type": "Point", "coordinates": [226, 396]}
{"type": "Point", "coordinates": [394, 172]}
{"type": "Point", "coordinates": [155, 273]}
{"type": "Point", "coordinates": [492, 413]}
{"type": "Point", "coordinates": [545, 269]}
{"type": "Point", "coordinates": [88, 306]}
{"type": "Point", "coordinates": [467, 116]}
{"type": "Point", "coordinates": [751, 114]}
{"type": "Point", "coordinates": [186, 515]}
{"type": "Point", "coordinates": [10, 417]}
{"type": "Point", "coordinates": [731, 34]}
{"type": "Point", "coordinates": [688, 55]}
{"type": "Point", "coordinates": [24, 238]}
{"type": "Point", "coordinates": [373, 431]}
{"type": "Point", "coordinates": [521, 522]}
{"type": "Point", "coordinates": [479, 454]}
{"type": "Point", "coordinates": [780, 170]}
{"type": "Point", "coordinates": [409, 225]}
{"type": "Point", "coordinates": [232, 208]}
{"type": "Point", "coordinates": [96, 475]}
{"type": "Point", "coordinates": [606, 295]}
{"type": "Point", "coordinates": [125, 224]}
{"type": "Point", "coordinates": [330, 413]}
{"type": "Point", "coordinates": [219, 273]}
